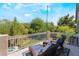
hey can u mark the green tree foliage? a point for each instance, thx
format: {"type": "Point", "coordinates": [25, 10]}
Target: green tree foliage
{"type": "Point", "coordinates": [65, 24]}
{"type": "Point", "coordinates": [4, 26]}
{"type": "Point", "coordinates": [37, 25]}
{"type": "Point", "coordinates": [67, 20]}
{"type": "Point", "coordinates": [65, 29]}
{"type": "Point", "coordinates": [51, 27]}
{"type": "Point", "coordinates": [17, 28]}
{"type": "Point", "coordinates": [26, 25]}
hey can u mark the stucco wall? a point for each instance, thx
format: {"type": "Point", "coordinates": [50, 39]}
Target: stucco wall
{"type": "Point", "coordinates": [3, 45]}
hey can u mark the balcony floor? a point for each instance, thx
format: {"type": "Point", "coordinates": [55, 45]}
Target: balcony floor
{"type": "Point", "coordinates": [74, 51]}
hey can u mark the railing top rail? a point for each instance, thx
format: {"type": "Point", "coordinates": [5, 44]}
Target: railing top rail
{"type": "Point", "coordinates": [3, 35]}
{"type": "Point", "coordinates": [24, 36]}
{"type": "Point", "coordinates": [30, 35]}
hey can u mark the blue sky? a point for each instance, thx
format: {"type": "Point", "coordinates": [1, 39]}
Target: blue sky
{"type": "Point", "coordinates": [27, 12]}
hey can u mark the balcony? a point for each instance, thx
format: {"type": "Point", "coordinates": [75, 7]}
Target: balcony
{"type": "Point", "coordinates": [19, 45]}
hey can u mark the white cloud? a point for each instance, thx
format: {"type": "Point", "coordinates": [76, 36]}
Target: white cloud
{"type": "Point", "coordinates": [9, 4]}
{"type": "Point", "coordinates": [18, 6]}
{"type": "Point", "coordinates": [58, 10]}
{"type": "Point", "coordinates": [6, 6]}
{"type": "Point", "coordinates": [30, 4]}
{"type": "Point", "coordinates": [1, 17]}
{"type": "Point", "coordinates": [27, 15]}
{"type": "Point", "coordinates": [34, 10]}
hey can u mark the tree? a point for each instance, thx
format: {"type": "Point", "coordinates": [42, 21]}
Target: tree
{"type": "Point", "coordinates": [37, 25]}
{"type": "Point", "coordinates": [51, 27]}
{"type": "Point", "coordinates": [17, 28]}
{"type": "Point", "coordinates": [67, 20]}
{"type": "Point", "coordinates": [4, 26]}
{"type": "Point", "coordinates": [65, 29]}
{"type": "Point", "coordinates": [22, 28]}
{"type": "Point", "coordinates": [26, 25]}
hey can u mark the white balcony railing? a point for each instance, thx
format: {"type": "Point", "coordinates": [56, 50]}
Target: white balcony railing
{"type": "Point", "coordinates": [18, 42]}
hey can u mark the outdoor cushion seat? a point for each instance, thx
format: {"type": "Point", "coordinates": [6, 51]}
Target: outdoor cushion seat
{"type": "Point", "coordinates": [47, 42]}
{"type": "Point", "coordinates": [50, 50]}
{"type": "Point", "coordinates": [38, 50]}
{"type": "Point", "coordinates": [60, 47]}
{"type": "Point", "coordinates": [61, 40]}
{"type": "Point", "coordinates": [35, 49]}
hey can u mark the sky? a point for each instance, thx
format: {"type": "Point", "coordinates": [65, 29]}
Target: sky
{"type": "Point", "coordinates": [27, 12]}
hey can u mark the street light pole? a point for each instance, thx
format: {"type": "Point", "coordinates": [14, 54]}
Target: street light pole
{"type": "Point", "coordinates": [47, 32]}
{"type": "Point", "coordinates": [47, 19]}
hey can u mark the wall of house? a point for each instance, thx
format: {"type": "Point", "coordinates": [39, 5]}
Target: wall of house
{"type": "Point", "coordinates": [77, 17]}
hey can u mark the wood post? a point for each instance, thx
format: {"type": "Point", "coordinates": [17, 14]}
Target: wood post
{"type": "Point", "coordinates": [48, 35]}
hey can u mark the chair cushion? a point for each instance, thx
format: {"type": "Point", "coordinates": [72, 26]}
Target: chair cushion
{"type": "Point", "coordinates": [35, 49]}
